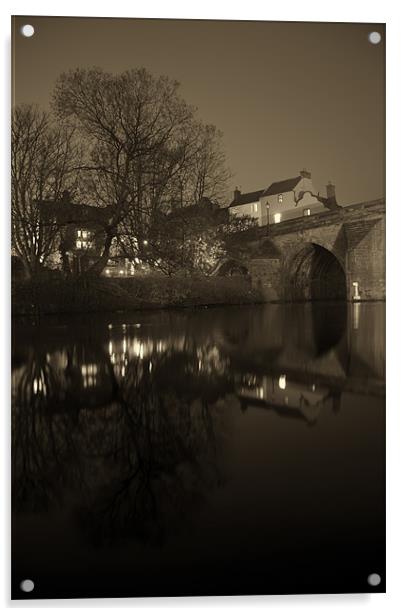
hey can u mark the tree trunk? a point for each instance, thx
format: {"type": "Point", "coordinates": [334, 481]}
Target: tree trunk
{"type": "Point", "coordinates": [97, 268]}
{"type": "Point", "coordinates": [27, 269]}
{"type": "Point", "coordinates": [65, 262]}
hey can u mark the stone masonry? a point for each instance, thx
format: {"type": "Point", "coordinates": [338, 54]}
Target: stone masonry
{"type": "Point", "coordinates": [332, 255]}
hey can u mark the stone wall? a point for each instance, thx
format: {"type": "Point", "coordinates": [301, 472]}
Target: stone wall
{"type": "Point", "coordinates": [354, 236]}
{"type": "Point", "coordinates": [266, 277]}
{"type": "Point", "coordinates": [366, 260]}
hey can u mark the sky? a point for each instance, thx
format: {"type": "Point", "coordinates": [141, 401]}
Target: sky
{"type": "Point", "coordinates": [286, 96]}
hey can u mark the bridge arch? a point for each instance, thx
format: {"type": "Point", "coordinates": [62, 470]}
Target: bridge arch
{"type": "Point", "coordinates": [313, 272]}
{"type": "Point", "coordinates": [231, 267]}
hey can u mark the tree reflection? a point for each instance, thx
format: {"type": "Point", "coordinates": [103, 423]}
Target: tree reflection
{"type": "Point", "coordinates": [138, 464]}
{"type": "Point", "coordinates": [42, 443]}
{"type": "Point", "coordinates": [165, 456]}
{"type": "Point", "coordinates": [126, 423]}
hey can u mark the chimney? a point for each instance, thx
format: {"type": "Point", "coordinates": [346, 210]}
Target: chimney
{"type": "Point", "coordinates": [305, 174]}
{"type": "Point", "coordinates": [331, 192]}
{"type": "Point", "coordinates": [236, 193]}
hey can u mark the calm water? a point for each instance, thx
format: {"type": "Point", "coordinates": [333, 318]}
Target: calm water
{"type": "Point", "coordinates": [212, 451]}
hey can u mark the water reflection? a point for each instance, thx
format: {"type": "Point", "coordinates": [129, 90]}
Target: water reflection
{"type": "Point", "coordinates": [127, 421]}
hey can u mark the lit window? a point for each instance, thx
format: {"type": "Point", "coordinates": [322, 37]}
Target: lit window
{"type": "Point", "coordinates": [277, 217]}
{"type": "Point", "coordinates": [83, 233]}
{"type": "Point", "coordinates": [282, 381]}
{"type": "Point", "coordinates": [89, 372]}
{"type": "Point", "coordinates": [255, 207]}
{"type": "Point", "coordinates": [78, 243]}
{"type": "Point", "coordinates": [280, 198]}
{"type": "Point", "coordinates": [307, 212]}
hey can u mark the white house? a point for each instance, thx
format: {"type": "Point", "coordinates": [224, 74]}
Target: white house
{"type": "Point", "coordinates": [283, 200]}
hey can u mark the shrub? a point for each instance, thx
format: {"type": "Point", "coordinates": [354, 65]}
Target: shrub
{"type": "Point", "coordinates": [56, 294]}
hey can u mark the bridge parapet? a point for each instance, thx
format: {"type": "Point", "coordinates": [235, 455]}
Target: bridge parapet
{"type": "Point", "coordinates": [282, 265]}
{"type": "Point", "coordinates": [366, 209]}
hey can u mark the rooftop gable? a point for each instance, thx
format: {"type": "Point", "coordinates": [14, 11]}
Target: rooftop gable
{"type": "Point", "coordinates": [244, 198]}
{"type": "Point", "coordinates": [283, 186]}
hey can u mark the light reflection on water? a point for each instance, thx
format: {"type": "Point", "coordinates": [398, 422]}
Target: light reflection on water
{"type": "Point", "coordinates": [131, 422]}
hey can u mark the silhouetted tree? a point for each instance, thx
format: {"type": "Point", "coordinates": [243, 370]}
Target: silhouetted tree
{"type": "Point", "coordinates": [146, 151]}
{"type": "Point", "coordinates": [192, 239]}
{"type": "Point", "coordinates": [43, 164]}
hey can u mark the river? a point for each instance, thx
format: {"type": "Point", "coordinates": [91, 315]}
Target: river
{"type": "Point", "coordinates": [230, 450]}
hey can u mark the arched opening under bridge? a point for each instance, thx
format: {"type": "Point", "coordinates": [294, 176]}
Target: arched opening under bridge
{"type": "Point", "coordinates": [314, 273]}
{"type": "Point", "coordinates": [231, 267]}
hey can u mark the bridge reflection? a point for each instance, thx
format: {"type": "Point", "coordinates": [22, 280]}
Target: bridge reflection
{"type": "Point", "coordinates": [318, 347]}
{"type": "Point", "coordinates": [288, 398]}
{"type": "Point", "coordinates": [133, 413]}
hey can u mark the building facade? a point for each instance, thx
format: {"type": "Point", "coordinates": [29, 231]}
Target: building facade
{"type": "Point", "coordinates": [81, 231]}
{"type": "Point", "coordinates": [283, 200]}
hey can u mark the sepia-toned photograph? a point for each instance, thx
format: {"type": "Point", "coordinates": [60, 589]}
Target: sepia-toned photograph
{"type": "Point", "coordinates": [198, 307]}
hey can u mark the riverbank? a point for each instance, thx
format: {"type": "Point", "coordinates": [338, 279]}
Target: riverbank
{"type": "Point", "coordinates": [56, 295]}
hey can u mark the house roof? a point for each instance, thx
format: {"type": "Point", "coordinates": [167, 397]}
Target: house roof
{"type": "Point", "coordinates": [276, 188]}
{"type": "Point", "coordinates": [74, 213]}
{"type": "Point", "coordinates": [244, 198]}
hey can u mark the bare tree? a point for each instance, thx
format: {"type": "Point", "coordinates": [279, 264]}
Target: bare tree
{"type": "Point", "coordinates": [43, 164]}
{"type": "Point", "coordinates": [208, 175]}
{"type": "Point", "coordinates": [146, 151]}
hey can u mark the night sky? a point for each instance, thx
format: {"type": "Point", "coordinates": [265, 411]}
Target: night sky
{"type": "Point", "coordinates": [285, 95]}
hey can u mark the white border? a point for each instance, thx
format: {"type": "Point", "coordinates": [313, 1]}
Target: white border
{"type": "Point", "coordinates": [305, 10]}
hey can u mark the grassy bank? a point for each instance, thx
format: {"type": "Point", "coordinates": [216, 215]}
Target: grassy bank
{"type": "Point", "coordinates": [53, 295]}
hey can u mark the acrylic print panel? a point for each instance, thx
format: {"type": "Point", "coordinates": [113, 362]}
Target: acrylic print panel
{"type": "Point", "coordinates": [198, 292]}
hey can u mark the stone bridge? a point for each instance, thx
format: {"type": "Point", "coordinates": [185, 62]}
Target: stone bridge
{"type": "Point", "coordinates": [339, 254]}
